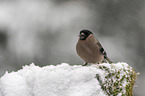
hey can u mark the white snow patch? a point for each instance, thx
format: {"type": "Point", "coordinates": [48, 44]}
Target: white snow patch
{"type": "Point", "coordinates": [60, 80]}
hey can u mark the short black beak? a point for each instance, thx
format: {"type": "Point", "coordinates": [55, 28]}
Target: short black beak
{"type": "Point", "coordinates": [82, 37]}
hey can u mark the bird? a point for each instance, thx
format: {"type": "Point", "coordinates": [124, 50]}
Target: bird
{"type": "Point", "coordinates": [90, 49]}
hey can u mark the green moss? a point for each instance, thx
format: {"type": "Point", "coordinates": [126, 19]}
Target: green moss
{"type": "Point", "coordinates": [129, 87]}
{"type": "Point", "coordinates": [115, 79]}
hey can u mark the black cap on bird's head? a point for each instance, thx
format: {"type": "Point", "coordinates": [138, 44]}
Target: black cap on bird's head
{"type": "Point", "coordinates": [84, 34]}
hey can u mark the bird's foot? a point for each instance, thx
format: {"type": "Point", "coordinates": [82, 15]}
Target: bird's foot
{"type": "Point", "coordinates": [85, 64]}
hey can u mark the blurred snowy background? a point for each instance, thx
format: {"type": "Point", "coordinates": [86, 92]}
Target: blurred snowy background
{"type": "Point", "coordinates": [46, 32]}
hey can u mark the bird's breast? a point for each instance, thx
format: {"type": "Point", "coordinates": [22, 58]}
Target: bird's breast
{"type": "Point", "coordinates": [88, 51]}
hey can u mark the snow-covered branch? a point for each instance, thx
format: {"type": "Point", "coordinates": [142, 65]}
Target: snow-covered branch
{"type": "Point", "coordinates": [65, 80]}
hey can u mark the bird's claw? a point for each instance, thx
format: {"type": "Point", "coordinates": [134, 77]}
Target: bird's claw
{"type": "Point", "coordinates": [85, 64]}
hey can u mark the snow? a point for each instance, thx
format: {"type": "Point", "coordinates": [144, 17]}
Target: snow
{"type": "Point", "coordinates": [60, 80]}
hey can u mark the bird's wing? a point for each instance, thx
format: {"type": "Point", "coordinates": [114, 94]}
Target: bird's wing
{"type": "Point", "coordinates": [101, 48]}
{"type": "Point", "coordinates": [103, 52]}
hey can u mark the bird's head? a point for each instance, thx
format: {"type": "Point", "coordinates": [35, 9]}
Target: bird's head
{"type": "Point", "coordinates": [84, 34]}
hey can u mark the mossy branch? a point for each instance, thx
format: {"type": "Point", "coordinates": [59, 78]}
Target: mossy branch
{"type": "Point", "coordinates": [118, 80]}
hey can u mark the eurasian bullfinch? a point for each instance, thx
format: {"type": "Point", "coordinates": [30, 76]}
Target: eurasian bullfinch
{"type": "Point", "coordinates": [90, 49]}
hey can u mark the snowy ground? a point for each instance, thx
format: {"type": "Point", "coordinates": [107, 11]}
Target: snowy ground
{"type": "Point", "coordinates": [60, 80]}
